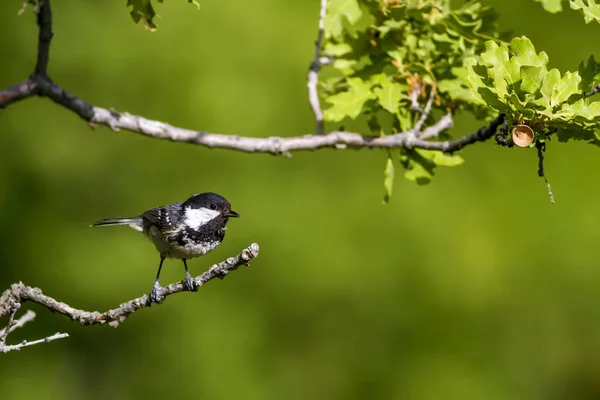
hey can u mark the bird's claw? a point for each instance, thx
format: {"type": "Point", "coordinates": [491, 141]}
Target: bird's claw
{"type": "Point", "coordinates": [189, 283]}
{"type": "Point", "coordinates": [154, 296]}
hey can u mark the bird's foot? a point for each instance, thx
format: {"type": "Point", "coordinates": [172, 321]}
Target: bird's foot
{"type": "Point", "coordinates": [155, 296]}
{"type": "Point", "coordinates": [189, 283]}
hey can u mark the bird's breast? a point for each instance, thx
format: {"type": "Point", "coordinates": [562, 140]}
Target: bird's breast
{"type": "Point", "coordinates": [182, 244]}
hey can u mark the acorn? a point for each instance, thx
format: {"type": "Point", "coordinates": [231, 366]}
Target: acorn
{"type": "Point", "coordinates": [522, 135]}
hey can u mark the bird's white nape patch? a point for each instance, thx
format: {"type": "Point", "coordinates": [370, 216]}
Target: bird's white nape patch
{"type": "Point", "coordinates": [196, 217]}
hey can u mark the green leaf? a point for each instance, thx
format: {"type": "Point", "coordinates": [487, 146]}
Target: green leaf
{"type": "Point", "coordinates": [447, 160]}
{"type": "Point", "coordinates": [552, 6]}
{"type": "Point", "coordinates": [525, 52]}
{"type": "Point", "coordinates": [142, 10]}
{"type": "Point", "coordinates": [581, 108]}
{"type": "Point", "coordinates": [531, 78]}
{"type": "Point", "coordinates": [490, 98]}
{"type": "Point", "coordinates": [590, 11]}
{"type": "Point", "coordinates": [456, 89]}
{"type": "Point", "coordinates": [349, 103]}
{"type": "Point", "coordinates": [550, 82]}
{"type": "Point", "coordinates": [567, 86]}
{"type": "Point", "coordinates": [388, 179]}
{"type": "Point", "coordinates": [420, 168]}
{"type": "Point", "coordinates": [389, 95]}
{"type": "Point", "coordinates": [590, 74]}
{"type": "Point", "coordinates": [339, 11]}
{"type": "Point", "coordinates": [405, 119]}
{"type": "Point", "coordinates": [499, 68]}
{"type": "Point", "coordinates": [337, 49]}
{"type": "Point", "coordinates": [588, 135]}
{"type": "Point", "coordinates": [422, 163]}
{"type": "Point", "coordinates": [494, 54]}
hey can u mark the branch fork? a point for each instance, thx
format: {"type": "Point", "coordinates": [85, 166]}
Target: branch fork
{"type": "Point", "coordinates": [19, 293]}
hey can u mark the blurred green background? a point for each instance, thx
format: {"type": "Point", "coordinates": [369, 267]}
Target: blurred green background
{"type": "Point", "coordinates": [473, 287]}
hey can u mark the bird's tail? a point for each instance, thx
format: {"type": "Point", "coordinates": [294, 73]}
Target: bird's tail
{"type": "Point", "coordinates": [134, 222]}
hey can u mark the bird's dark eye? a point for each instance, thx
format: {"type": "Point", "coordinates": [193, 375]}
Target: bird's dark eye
{"type": "Point", "coordinates": [213, 206]}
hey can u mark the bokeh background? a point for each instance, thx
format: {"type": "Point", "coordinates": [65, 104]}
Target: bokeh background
{"type": "Point", "coordinates": [473, 287]}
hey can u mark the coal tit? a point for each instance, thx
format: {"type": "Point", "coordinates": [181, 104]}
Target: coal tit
{"type": "Point", "coordinates": [182, 230]}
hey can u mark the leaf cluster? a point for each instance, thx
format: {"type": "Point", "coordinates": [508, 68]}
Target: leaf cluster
{"type": "Point", "coordinates": [389, 54]}
{"type": "Point", "coordinates": [515, 80]}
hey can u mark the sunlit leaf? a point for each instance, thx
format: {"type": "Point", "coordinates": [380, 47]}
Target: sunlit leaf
{"type": "Point", "coordinates": [589, 8]}
{"type": "Point", "coordinates": [389, 95]}
{"type": "Point", "coordinates": [566, 87]}
{"type": "Point", "coordinates": [552, 6]}
{"type": "Point", "coordinates": [531, 78]}
{"type": "Point", "coordinates": [339, 11]}
{"type": "Point", "coordinates": [590, 74]}
{"type": "Point", "coordinates": [349, 103]}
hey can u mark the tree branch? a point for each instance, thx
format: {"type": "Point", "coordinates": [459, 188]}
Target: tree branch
{"type": "Point", "coordinates": [25, 318]}
{"type": "Point", "coordinates": [18, 92]}
{"type": "Point", "coordinates": [25, 343]}
{"type": "Point", "coordinates": [44, 21]}
{"type": "Point", "coordinates": [313, 72]}
{"type": "Point", "coordinates": [19, 293]}
{"type": "Point", "coordinates": [13, 306]}
{"type": "Point", "coordinates": [39, 84]}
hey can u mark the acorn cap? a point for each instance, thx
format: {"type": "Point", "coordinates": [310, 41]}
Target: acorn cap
{"type": "Point", "coordinates": [522, 135]}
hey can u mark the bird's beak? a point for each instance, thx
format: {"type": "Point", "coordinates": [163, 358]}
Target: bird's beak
{"type": "Point", "coordinates": [231, 214]}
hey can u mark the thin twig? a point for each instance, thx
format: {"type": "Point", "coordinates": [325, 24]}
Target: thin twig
{"type": "Point", "coordinates": [313, 72]}
{"type": "Point", "coordinates": [19, 293]}
{"type": "Point", "coordinates": [44, 21]}
{"type": "Point", "coordinates": [425, 112]}
{"type": "Point", "coordinates": [13, 307]}
{"type": "Point", "coordinates": [541, 148]}
{"type": "Point", "coordinates": [413, 95]}
{"type": "Point", "coordinates": [444, 123]}
{"type": "Point", "coordinates": [22, 320]}
{"type": "Point", "coordinates": [25, 343]}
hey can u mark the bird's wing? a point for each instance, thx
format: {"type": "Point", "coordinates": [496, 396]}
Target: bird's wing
{"type": "Point", "coordinates": [163, 218]}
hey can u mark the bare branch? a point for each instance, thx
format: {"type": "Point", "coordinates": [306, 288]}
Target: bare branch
{"type": "Point", "coordinates": [425, 112]}
{"type": "Point", "coordinates": [41, 85]}
{"type": "Point", "coordinates": [272, 145]}
{"type": "Point", "coordinates": [22, 320]}
{"type": "Point", "coordinates": [19, 293]}
{"type": "Point", "coordinates": [313, 72]}
{"type": "Point", "coordinates": [18, 92]}
{"type": "Point", "coordinates": [25, 343]}
{"type": "Point", "coordinates": [13, 324]}
{"type": "Point", "coordinates": [44, 21]}
{"type": "Point", "coordinates": [413, 95]}
{"type": "Point", "coordinates": [13, 306]}
{"type": "Point", "coordinates": [446, 122]}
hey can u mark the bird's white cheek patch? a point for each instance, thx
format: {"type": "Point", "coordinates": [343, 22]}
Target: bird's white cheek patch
{"type": "Point", "coordinates": [196, 217]}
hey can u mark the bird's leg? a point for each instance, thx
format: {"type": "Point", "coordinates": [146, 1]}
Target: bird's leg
{"type": "Point", "coordinates": [189, 281]}
{"type": "Point", "coordinates": [154, 296]}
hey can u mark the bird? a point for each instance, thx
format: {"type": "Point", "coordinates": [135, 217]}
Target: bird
{"type": "Point", "coordinates": [181, 231]}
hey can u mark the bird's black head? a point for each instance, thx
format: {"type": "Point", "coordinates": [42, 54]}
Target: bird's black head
{"type": "Point", "coordinates": [211, 204]}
